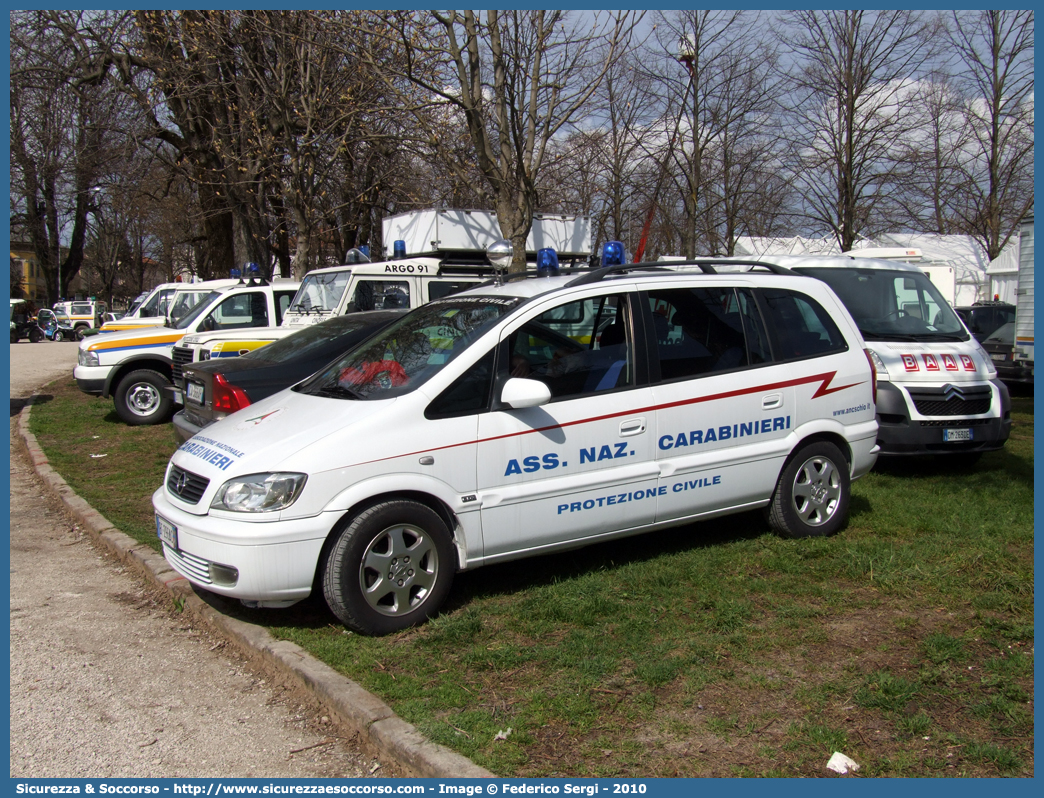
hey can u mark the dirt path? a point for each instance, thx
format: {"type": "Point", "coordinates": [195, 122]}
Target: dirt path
{"type": "Point", "coordinates": [107, 680]}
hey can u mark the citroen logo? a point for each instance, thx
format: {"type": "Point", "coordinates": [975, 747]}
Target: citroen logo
{"type": "Point", "coordinates": [951, 392]}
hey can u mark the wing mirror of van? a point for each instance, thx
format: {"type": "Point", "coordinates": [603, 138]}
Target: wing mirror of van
{"type": "Point", "coordinates": [519, 392]}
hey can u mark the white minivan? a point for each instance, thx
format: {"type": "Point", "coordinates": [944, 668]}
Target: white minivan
{"type": "Point", "coordinates": [521, 418]}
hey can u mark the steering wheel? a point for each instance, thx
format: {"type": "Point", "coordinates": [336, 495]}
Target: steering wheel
{"type": "Point", "coordinates": [385, 373]}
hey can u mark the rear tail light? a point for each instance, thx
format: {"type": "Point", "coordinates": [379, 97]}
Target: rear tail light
{"type": "Point", "coordinates": [227, 397]}
{"type": "Point", "coordinates": [873, 372]}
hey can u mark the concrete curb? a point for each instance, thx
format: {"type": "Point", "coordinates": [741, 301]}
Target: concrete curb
{"type": "Point", "coordinates": [347, 702]}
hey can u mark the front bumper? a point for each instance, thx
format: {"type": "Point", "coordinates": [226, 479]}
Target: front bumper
{"type": "Point", "coordinates": [184, 427]}
{"type": "Point", "coordinates": [1021, 375]}
{"type": "Point", "coordinates": [275, 561]}
{"type": "Point", "coordinates": [92, 379]}
{"type": "Point", "coordinates": [904, 432]}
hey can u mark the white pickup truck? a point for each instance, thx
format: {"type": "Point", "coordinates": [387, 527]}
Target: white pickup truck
{"type": "Point", "coordinates": [134, 367]}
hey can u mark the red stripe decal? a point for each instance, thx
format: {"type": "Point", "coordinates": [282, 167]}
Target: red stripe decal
{"type": "Point", "coordinates": [824, 389]}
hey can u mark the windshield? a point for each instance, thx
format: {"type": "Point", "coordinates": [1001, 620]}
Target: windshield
{"type": "Point", "coordinates": [893, 305]}
{"type": "Point", "coordinates": [317, 336]}
{"type": "Point", "coordinates": [320, 292]}
{"type": "Point", "coordinates": [183, 302]}
{"type": "Point", "coordinates": [196, 311]}
{"type": "Point", "coordinates": [410, 352]}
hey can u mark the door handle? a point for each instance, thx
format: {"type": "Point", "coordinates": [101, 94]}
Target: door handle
{"type": "Point", "coordinates": [772, 401]}
{"type": "Point", "coordinates": [634, 426]}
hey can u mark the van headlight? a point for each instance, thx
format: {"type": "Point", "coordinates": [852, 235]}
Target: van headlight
{"type": "Point", "coordinates": [259, 493]}
{"type": "Point", "coordinates": [991, 367]}
{"type": "Point", "coordinates": [86, 357]}
{"type": "Point", "coordinates": [879, 366]}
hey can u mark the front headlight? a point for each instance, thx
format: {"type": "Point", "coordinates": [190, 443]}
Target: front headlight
{"type": "Point", "coordinates": [85, 357]}
{"type": "Point", "coordinates": [259, 493]}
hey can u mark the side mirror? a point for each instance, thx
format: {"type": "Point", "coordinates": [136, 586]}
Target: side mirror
{"type": "Point", "coordinates": [519, 393]}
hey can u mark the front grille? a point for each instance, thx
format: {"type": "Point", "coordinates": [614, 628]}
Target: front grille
{"type": "Point", "coordinates": [180, 356]}
{"type": "Point", "coordinates": [966, 422]}
{"type": "Point", "coordinates": [188, 565]}
{"type": "Point", "coordinates": [185, 485]}
{"type": "Point", "coordinates": [951, 400]}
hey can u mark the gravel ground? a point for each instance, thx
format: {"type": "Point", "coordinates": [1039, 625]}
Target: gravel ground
{"type": "Point", "coordinates": [108, 681]}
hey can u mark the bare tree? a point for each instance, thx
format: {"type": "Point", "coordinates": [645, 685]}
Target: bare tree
{"type": "Point", "coordinates": [996, 76]}
{"type": "Point", "coordinates": [849, 99]}
{"type": "Point", "coordinates": [519, 80]}
{"type": "Point", "coordinates": [62, 131]}
{"type": "Point", "coordinates": [723, 168]}
{"type": "Point", "coordinates": [931, 155]}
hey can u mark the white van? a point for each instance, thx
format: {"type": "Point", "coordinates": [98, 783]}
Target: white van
{"type": "Point", "coordinates": [513, 420]}
{"type": "Point", "coordinates": [167, 301]}
{"type": "Point", "coordinates": [937, 389]}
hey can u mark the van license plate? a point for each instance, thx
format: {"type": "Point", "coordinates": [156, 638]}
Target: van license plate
{"type": "Point", "coordinates": [194, 392]}
{"type": "Point", "coordinates": [167, 532]}
{"type": "Point", "coordinates": [954, 435]}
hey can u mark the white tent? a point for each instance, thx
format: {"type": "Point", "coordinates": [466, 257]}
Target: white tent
{"type": "Point", "coordinates": [941, 254]}
{"type": "Point", "coordinates": [956, 264]}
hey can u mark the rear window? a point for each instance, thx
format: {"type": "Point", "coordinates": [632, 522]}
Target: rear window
{"type": "Point", "coordinates": [315, 337]}
{"type": "Point", "coordinates": [801, 326]}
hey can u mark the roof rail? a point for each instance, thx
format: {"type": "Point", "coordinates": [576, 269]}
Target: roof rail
{"type": "Point", "coordinates": [706, 265]}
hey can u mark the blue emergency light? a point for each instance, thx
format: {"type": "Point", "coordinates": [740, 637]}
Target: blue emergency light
{"type": "Point", "coordinates": [365, 249]}
{"type": "Point", "coordinates": [252, 268]}
{"type": "Point", "coordinates": [612, 253]}
{"type": "Point", "coordinates": [236, 273]}
{"type": "Point", "coordinates": [399, 249]}
{"type": "Point", "coordinates": [546, 262]}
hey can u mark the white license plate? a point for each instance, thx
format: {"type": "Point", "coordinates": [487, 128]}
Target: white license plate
{"type": "Point", "coordinates": [999, 356]}
{"type": "Point", "coordinates": [954, 435]}
{"type": "Point", "coordinates": [194, 392]}
{"type": "Point", "coordinates": [167, 532]}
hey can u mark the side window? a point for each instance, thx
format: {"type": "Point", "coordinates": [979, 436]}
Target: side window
{"type": "Point", "coordinates": [282, 302]}
{"type": "Point", "coordinates": [701, 331]}
{"type": "Point", "coordinates": [578, 348]}
{"type": "Point", "coordinates": [437, 289]}
{"type": "Point", "coordinates": [241, 310]}
{"type": "Point", "coordinates": [381, 295]}
{"type": "Point", "coordinates": [469, 393]}
{"type": "Point", "coordinates": [152, 308]}
{"type": "Point", "coordinates": [802, 327]}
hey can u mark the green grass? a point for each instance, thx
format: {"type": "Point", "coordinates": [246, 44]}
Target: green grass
{"type": "Point", "coordinates": [717, 649]}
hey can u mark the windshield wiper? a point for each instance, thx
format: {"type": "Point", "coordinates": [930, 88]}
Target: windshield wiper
{"type": "Point", "coordinates": [939, 337]}
{"type": "Point", "coordinates": [882, 336]}
{"type": "Point", "coordinates": [337, 392]}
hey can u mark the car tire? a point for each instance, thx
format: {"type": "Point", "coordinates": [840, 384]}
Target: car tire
{"type": "Point", "coordinates": [14, 337]}
{"type": "Point", "coordinates": [813, 492]}
{"type": "Point", "coordinates": [58, 336]}
{"type": "Point", "coordinates": [36, 335]}
{"type": "Point", "coordinates": [142, 397]}
{"type": "Point", "coordinates": [390, 568]}
{"type": "Point", "coordinates": [81, 333]}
